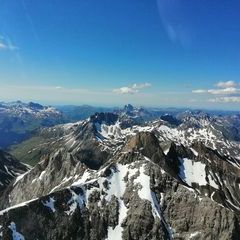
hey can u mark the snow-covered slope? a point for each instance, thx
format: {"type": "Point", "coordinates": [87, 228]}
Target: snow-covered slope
{"type": "Point", "coordinates": [18, 120]}
{"type": "Point", "coordinates": [136, 195]}
{"type": "Point", "coordinates": [110, 178]}
{"type": "Point", "coordinates": [20, 109]}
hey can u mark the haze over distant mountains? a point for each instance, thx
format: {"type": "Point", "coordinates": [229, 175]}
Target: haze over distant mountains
{"type": "Point", "coordinates": [19, 120]}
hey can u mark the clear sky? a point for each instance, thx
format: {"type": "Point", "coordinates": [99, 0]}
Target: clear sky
{"type": "Point", "coordinates": [146, 52]}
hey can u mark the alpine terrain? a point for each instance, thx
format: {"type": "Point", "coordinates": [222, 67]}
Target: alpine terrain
{"type": "Point", "coordinates": [126, 175]}
{"type": "Point", "coordinates": [18, 120]}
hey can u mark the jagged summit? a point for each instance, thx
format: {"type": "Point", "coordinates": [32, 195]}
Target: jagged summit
{"type": "Point", "coordinates": [145, 142]}
{"type": "Point", "coordinates": [128, 108]}
{"type": "Point", "coordinates": [107, 118]}
{"type": "Point", "coordinates": [103, 179]}
{"type": "Point", "coordinates": [33, 105]}
{"type": "Point", "coordinates": [170, 119]}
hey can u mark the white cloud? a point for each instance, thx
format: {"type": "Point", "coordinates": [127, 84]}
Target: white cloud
{"type": "Point", "coordinates": [223, 88]}
{"type": "Point", "coordinates": [225, 100]}
{"type": "Point", "coordinates": [6, 44]}
{"type": "Point", "coordinates": [229, 90]}
{"type": "Point", "coordinates": [199, 91]}
{"type": "Point", "coordinates": [222, 91]}
{"type": "Point", "coordinates": [141, 85]}
{"type": "Point", "coordinates": [2, 46]}
{"type": "Point", "coordinates": [135, 88]}
{"type": "Point", "coordinates": [227, 84]}
{"type": "Point", "coordinates": [174, 24]}
{"type": "Point", "coordinates": [125, 90]}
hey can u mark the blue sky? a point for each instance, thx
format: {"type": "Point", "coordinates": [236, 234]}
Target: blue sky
{"type": "Point", "coordinates": [147, 52]}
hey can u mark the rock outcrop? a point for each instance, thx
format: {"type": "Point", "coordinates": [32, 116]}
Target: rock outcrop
{"type": "Point", "coordinates": [108, 182]}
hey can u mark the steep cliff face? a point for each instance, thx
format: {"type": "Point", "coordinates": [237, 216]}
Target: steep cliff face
{"type": "Point", "coordinates": [145, 187]}
{"type": "Point", "coordinates": [10, 168]}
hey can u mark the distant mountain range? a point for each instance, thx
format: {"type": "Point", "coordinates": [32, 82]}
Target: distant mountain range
{"type": "Point", "coordinates": [74, 113]}
{"type": "Point", "coordinates": [18, 120]}
{"type": "Point", "coordinates": [229, 125]}
{"type": "Point", "coordinates": [117, 175]}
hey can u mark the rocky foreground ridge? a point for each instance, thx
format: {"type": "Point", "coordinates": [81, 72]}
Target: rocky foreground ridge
{"type": "Point", "coordinates": [109, 177]}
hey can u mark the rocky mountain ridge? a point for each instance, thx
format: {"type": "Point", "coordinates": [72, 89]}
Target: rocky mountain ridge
{"type": "Point", "coordinates": [18, 120]}
{"type": "Point", "coordinates": [104, 179]}
{"type": "Point", "coordinates": [20, 109]}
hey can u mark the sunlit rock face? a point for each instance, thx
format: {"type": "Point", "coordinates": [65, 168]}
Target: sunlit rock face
{"type": "Point", "coordinates": [102, 180]}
